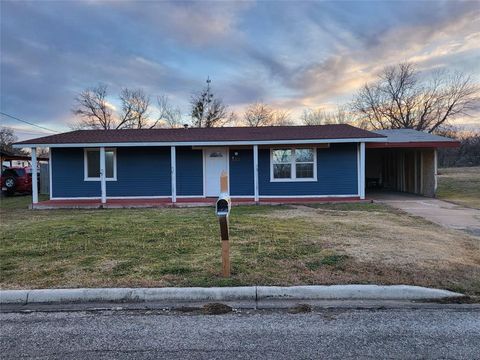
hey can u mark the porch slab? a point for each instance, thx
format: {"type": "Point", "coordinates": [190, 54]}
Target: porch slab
{"type": "Point", "coordinates": [181, 202]}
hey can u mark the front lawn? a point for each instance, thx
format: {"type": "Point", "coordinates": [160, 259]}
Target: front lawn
{"type": "Point", "coordinates": [460, 185]}
{"type": "Point", "coordinates": [281, 245]}
{"type": "Point", "coordinates": [18, 201]}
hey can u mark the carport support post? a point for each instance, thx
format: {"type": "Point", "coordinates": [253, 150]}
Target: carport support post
{"type": "Point", "coordinates": [255, 172]}
{"type": "Point", "coordinates": [103, 175]}
{"type": "Point", "coordinates": [34, 176]}
{"type": "Point", "coordinates": [173, 161]}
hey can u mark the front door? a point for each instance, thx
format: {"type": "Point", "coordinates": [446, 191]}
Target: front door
{"type": "Point", "coordinates": [216, 161]}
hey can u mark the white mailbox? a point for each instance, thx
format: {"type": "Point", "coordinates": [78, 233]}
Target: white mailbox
{"type": "Point", "coordinates": [223, 205]}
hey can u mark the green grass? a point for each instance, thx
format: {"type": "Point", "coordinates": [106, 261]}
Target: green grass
{"type": "Point", "coordinates": [460, 185]}
{"type": "Point", "coordinates": [18, 201]}
{"type": "Point", "coordinates": [143, 246]}
{"type": "Point", "coordinates": [326, 260]}
{"type": "Point", "coordinates": [270, 245]}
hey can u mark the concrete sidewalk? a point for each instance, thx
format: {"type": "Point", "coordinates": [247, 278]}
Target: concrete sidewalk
{"type": "Point", "coordinates": [440, 212]}
{"type": "Point", "coordinates": [245, 293]}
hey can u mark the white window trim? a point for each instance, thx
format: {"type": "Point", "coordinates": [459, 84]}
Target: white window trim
{"type": "Point", "coordinates": [293, 177]}
{"type": "Point", "coordinates": [85, 165]}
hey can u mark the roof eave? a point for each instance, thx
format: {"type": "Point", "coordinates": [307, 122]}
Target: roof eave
{"type": "Point", "coordinates": [202, 143]}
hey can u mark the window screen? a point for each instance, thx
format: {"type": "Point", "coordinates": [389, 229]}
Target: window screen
{"type": "Point", "coordinates": [93, 164]}
{"type": "Point", "coordinates": [109, 163]}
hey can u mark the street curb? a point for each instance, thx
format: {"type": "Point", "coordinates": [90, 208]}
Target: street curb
{"type": "Point", "coordinates": [352, 292]}
{"type": "Point", "coordinates": [127, 295]}
{"type": "Point", "coordinates": [252, 293]}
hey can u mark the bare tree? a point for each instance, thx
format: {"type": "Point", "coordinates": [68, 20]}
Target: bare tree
{"type": "Point", "coordinates": [321, 117]}
{"type": "Point", "coordinates": [43, 152]}
{"type": "Point", "coordinates": [282, 118]}
{"type": "Point", "coordinates": [261, 114]}
{"type": "Point", "coordinates": [232, 118]}
{"type": "Point", "coordinates": [7, 138]}
{"type": "Point", "coordinates": [97, 113]}
{"type": "Point", "coordinates": [169, 116]}
{"type": "Point", "coordinates": [399, 99]}
{"type": "Point", "coordinates": [208, 111]}
{"type": "Point", "coordinates": [135, 110]}
{"type": "Point", "coordinates": [468, 154]}
{"type": "Point", "coordinates": [258, 114]}
{"type": "Point", "coordinates": [92, 106]}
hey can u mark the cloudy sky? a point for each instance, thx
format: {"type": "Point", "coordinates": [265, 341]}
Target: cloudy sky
{"type": "Point", "coordinates": [293, 55]}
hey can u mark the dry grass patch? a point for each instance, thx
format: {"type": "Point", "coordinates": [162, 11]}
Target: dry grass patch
{"type": "Point", "coordinates": [460, 185]}
{"type": "Point", "coordinates": [381, 245]}
{"type": "Point", "coordinates": [390, 236]}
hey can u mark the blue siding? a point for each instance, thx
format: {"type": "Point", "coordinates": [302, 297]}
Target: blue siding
{"type": "Point", "coordinates": [241, 172]}
{"type": "Point", "coordinates": [336, 174]}
{"type": "Point", "coordinates": [189, 171]}
{"type": "Point", "coordinates": [145, 171]}
{"type": "Point", "coordinates": [142, 171]}
{"type": "Point", "coordinates": [67, 175]}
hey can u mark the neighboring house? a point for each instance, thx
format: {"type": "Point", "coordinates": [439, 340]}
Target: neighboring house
{"type": "Point", "coordinates": [8, 159]}
{"type": "Point", "coordinates": [264, 163]}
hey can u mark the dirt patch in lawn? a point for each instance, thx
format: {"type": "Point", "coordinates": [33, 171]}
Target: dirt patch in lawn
{"type": "Point", "coordinates": [392, 237]}
{"type": "Point", "coordinates": [384, 245]}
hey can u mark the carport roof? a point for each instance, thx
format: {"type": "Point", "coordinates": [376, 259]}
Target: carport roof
{"type": "Point", "coordinates": [412, 138]}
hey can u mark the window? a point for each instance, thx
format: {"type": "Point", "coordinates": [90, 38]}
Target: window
{"type": "Point", "coordinates": [14, 172]}
{"type": "Point", "coordinates": [292, 164]}
{"type": "Point", "coordinates": [92, 164]}
{"type": "Point", "coordinates": [282, 163]}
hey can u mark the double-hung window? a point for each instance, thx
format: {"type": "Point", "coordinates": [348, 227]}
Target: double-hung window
{"type": "Point", "coordinates": [92, 164]}
{"type": "Point", "coordinates": [293, 164]}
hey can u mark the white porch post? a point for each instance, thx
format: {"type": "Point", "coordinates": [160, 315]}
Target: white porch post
{"type": "Point", "coordinates": [421, 172]}
{"type": "Point", "coordinates": [34, 176]}
{"type": "Point", "coordinates": [103, 175]}
{"type": "Point", "coordinates": [361, 190]}
{"type": "Point", "coordinates": [255, 172]}
{"type": "Point", "coordinates": [173, 161]}
{"type": "Point", "coordinates": [50, 191]}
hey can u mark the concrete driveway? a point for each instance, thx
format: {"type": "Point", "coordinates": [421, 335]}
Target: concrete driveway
{"type": "Point", "coordinates": [440, 212]}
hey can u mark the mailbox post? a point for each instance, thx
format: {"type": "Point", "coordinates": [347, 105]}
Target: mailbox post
{"type": "Point", "coordinates": [222, 210]}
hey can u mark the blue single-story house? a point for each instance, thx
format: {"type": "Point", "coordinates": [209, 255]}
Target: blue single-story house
{"type": "Point", "coordinates": [278, 164]}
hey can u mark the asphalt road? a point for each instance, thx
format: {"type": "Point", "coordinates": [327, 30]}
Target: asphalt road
{"type": "Point", "coordinates": [335, 334]}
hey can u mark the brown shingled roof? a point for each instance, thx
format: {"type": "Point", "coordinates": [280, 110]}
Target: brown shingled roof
{"type": "Point", "coordinates": [267, 133]}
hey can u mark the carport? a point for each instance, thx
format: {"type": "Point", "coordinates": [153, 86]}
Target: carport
{"type": "Point", "coordinates": [405, 162]}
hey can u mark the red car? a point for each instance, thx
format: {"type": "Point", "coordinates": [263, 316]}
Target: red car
{"type": "Point", "coordinates": [17, 179]}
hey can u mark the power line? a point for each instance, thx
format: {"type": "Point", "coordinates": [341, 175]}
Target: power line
{"type": "Point", "coordinates": [28, 131]}
{"type": "Point", "coordinates": [29, 123]}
